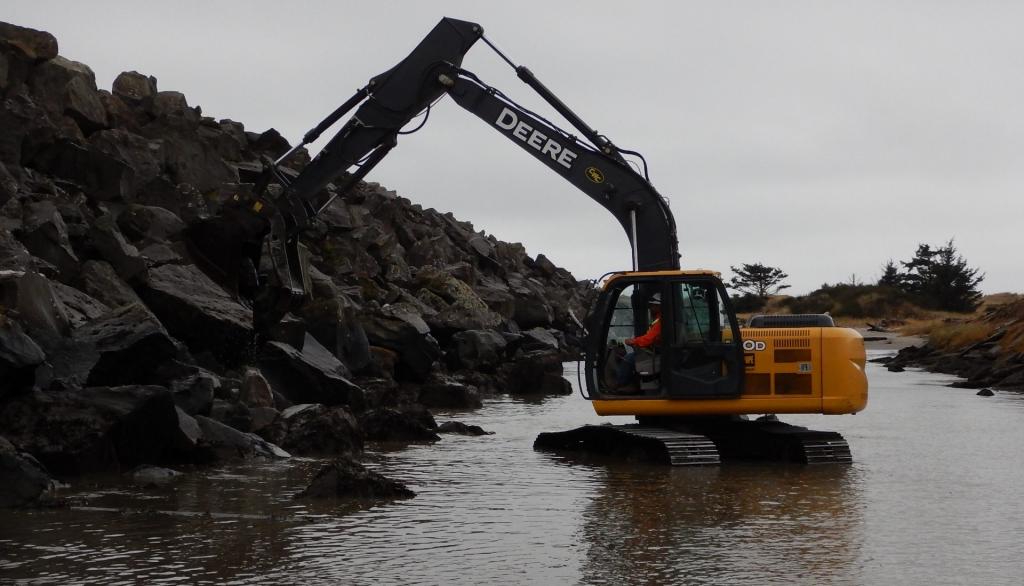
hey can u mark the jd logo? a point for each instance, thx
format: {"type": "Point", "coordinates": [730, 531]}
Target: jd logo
{"type": "Point", "coordinates": [752, 346]}
{"type": "Point", "coordinates": [595, 174]}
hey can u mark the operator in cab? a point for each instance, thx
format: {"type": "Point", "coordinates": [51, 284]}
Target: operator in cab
{"type": "Point", "coordinates": [626, 373]}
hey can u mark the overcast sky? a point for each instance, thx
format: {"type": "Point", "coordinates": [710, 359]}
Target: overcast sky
{"type": "Point", "coordinates": [821, 137]}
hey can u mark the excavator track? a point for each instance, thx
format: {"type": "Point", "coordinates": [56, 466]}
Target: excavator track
{"type": "Point", "coordinates": [702, 442]}
{"type": "Point", "coordinates": [634, 442]}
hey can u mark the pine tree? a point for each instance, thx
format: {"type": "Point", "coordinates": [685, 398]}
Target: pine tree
{"type": "Point", "coordinates": [940, 279]}
{"type": "Point", "coordinates": [758, 279]}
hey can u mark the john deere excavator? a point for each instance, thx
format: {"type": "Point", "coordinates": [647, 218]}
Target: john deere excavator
{"type": "Point", "coordinates": [690, 391]}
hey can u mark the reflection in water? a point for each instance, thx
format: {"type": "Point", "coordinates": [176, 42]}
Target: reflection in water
{"type": "Point", "coordinates": [722, 525]}
{"type": "Point", "coordinates": [932, 498]}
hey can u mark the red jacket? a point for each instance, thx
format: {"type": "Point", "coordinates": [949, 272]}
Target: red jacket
{"type": "Point", "coordinates": [652, 337]}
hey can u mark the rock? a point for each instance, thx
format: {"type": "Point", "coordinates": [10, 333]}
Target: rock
{"type": "Point", "coordinates": [255, 391]}
{"type": "Point", "coordinates": [149, 224]}
{"type": "Point", "coordinates": [383, 361]}
{"type": "Point", "coordinates": [539, 339]}
{"type": "Point", "coordinates": [134, 88]}
{"type": "Point", "coordinates": [316, 429]}
{"type": "Point", "coordinates": [36, 45]}
{"type": "Point", "coordinates": [348, 478]}
{"type": "Point", "coordinates": [23, 480]}
{"type": "Point", "coordinates": [195, 391]}
{"type": "Point", "coordinates": [226, 443]}
{"type": "Point", "coordinates": [399, 328]}
{"type": "Point", "coordinates": [14, 256]}
{"type": "Point", "coordinates": [462, 428]}
{"type": "Point", "coordinates": [535, 374]}
{"type": "Point", "coordinates": [479, 349]}
{"type": "Point", "coordinates": [313, 375]}
{"type": "Point", "coordinates": [232, 414]}
{"type": "Point", "coordinates": [46, 236]}
{"type": "Point", "coordinates": [19, 358]}
{"type": "Point", "coordinates": [895, 368]}
{"type": "Point", "coordinates": [102, 177]}
{"type": "Point", "coordinates": [450, 394]}
{"type": "Point", "coordinates": [80, 307]}
{"type": "Point", "coordinates": [98, 279]}
{"type": "Point", "coordinates": [39, 309]}
{"type": "Point", "coordinates": [985, 393]}
{"type": "Point", "coordinates": [154, 476]}
{"type": "Point", "coordinates": [68, 87]}
{"type": "Point", "coordinates": [111, 244]}
{"type": "Point", "coordinates": [170, 104]}
{"type": "Point", "coordinates": [199, 312]}
{"type": "Point", "coordinates": [392, 425]}
{"type": "Point", "coordinates": [94, 429]}
{"type": "Point", "coordinates": [262, 418]}
{"type": "Point", "coordinates": [126, 346]}
{"type": "Point", "coordinates": [143, 155]}
{"type": "Point", "coordinates": [187, 437]}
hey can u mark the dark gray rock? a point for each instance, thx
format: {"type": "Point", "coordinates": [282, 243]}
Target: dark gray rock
{"type": "Point", "coordinates": [985, 393]}
{"type": "Point", "coordinates": [393, 425]}
{"type": "Point", "coordinates": [535, 374]}
{"type": "Point", "coordinates": [462, 428]}
{"type": "Point", "coordinates": [148, 224]}
{"type": "Point", "coordinates": [479, 349]}
{"type": "Point", "coordinates": [46, 236]}
{"type": "Point", "coordinates": [316, 429]}
{"type": "Point", "coordinates": [449, 394]}
{"type": "Point", "coordinates": [227, 443]}
{"type": "Point", "coordinates": [194, 392]}
{"type": "Point", "coordinates": [123, 256]}
{"type": "Point", "coordinates": [198, 312]}
{"type": "Point", "coordinates": [98, 279]}
{"type": "Point", "coordinates": [102, 177]}
{"type": "Point", "coordinates": [19, 358]}
{"type": "Point", "coordinates": [143, 155]}
{"type": "Point", "coordinates": [36, 45]}
{"type": "Point", "coordinates": [80, 307]}
{"type": "Point", "coordinates": [255, 390]}
{"type": "Point", "coordinates": [154, 476]}
{"type": "Point", "coordinates": [313, 375]}
{"type": "Point", "coordinates": [69, 88]}
{"type": "Point", "coordinates": [348, 478]}
{"type": "Point", "coordinates": [399, 328]}
{"type": "Point", "coordinates": [126, 346]}
{"type": "Point", "coordinates": [93, 429]}
{"type": "Point", "coordinates": [39, 309]}
{"type": "Point", "coordinates": [13, 254]}
{"type": "Point", "coordinates": [134, 88]}
{"type": "Point", "coordinates": [23, 480]}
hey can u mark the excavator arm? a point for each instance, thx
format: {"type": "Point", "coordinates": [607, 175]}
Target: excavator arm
{"type": "Point", "coordinates": [253, 245]}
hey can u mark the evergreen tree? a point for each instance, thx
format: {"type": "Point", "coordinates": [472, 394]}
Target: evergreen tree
{"type": "Point", "coordinates": [758, 279]}
{"type": "Point", "coordinates": [891, 276]}
{"type": "Point", "coordinates": [940, 279]}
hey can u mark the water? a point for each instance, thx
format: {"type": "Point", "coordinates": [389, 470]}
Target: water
{"type": "Point", "coordinates": [934, 497]}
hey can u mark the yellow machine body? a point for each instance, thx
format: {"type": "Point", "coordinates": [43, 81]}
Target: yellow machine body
{"type": "Point", "coordinates": [788, 370]}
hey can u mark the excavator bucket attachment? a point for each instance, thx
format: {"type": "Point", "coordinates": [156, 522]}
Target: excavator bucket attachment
{"type": "Point", "coordinates": [227, 247]}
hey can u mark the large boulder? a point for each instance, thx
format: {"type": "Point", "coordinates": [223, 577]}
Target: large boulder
{"type": "Point", "coordinates": [19, 358]}
{"type": "Point", "coordinates": [36, 45]}
{"type": "Point", "coordinates": [479, 349]}
{"type": "Point", "coordinates": [198, 312]}
{"type": "Point", "coordinates": [393, 425]}
{"type": "Point", "coordinates": [312, 375]}
{"type": "Point", "coordinates": [39, 309]}
{"type": "Point", "coordinates": [69, 88]}
{"type": "Point", "coordinates": [94, 429]}
{"type": "Point", "coordinates": [99, 279]}
{"type": "Point", "coordinates": [227, 443]}
{"type": "Point", "coordinates": [316, 429]}
{"type": "Point", "coordinates": [448, 393]}
{"type": "Point", "coordinates": [126, 346]}
{"type": "Point", "coordinates": [400, 328]}
{"type": "Point", "coordinates": [23, 480]}
{"type": "Point", "coordinates": [348, 478]}
{"type": "Point", "coordinates": [45, 235]}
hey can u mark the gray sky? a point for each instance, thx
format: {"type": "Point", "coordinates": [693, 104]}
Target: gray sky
{"type": "Point", "coordinates": [821, 137]}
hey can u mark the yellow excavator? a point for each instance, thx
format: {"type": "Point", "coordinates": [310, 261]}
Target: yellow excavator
{"type": "Point", "coordinates": [690, 390]}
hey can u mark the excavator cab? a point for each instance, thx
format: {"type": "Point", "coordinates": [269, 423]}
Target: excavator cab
{"type": "Point", "coordinates": [691, 345]}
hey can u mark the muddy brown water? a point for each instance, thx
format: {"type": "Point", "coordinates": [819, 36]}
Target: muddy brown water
{"type": "Point", "coordinates": [934, 497]}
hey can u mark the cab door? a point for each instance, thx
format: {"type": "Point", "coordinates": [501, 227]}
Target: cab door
{"type": "Point", "coordinates": [700, 352]}
{"type": "Point", "coordinates": [705, 352]}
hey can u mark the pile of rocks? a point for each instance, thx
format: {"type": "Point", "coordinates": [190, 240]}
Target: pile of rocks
{"type": "Point", "coordinates": [117, 351]}
{"type": "Point", "coordinates": [996, 361]}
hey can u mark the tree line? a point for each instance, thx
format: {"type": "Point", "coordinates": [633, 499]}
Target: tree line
{"type": "Point", "coordinates": [934, 278]}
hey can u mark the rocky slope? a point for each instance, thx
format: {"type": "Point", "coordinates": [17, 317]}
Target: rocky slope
{"type": "Point", "coordinates": [117, 351]}
{"type": "Point", "coordinates": [987, 351]}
